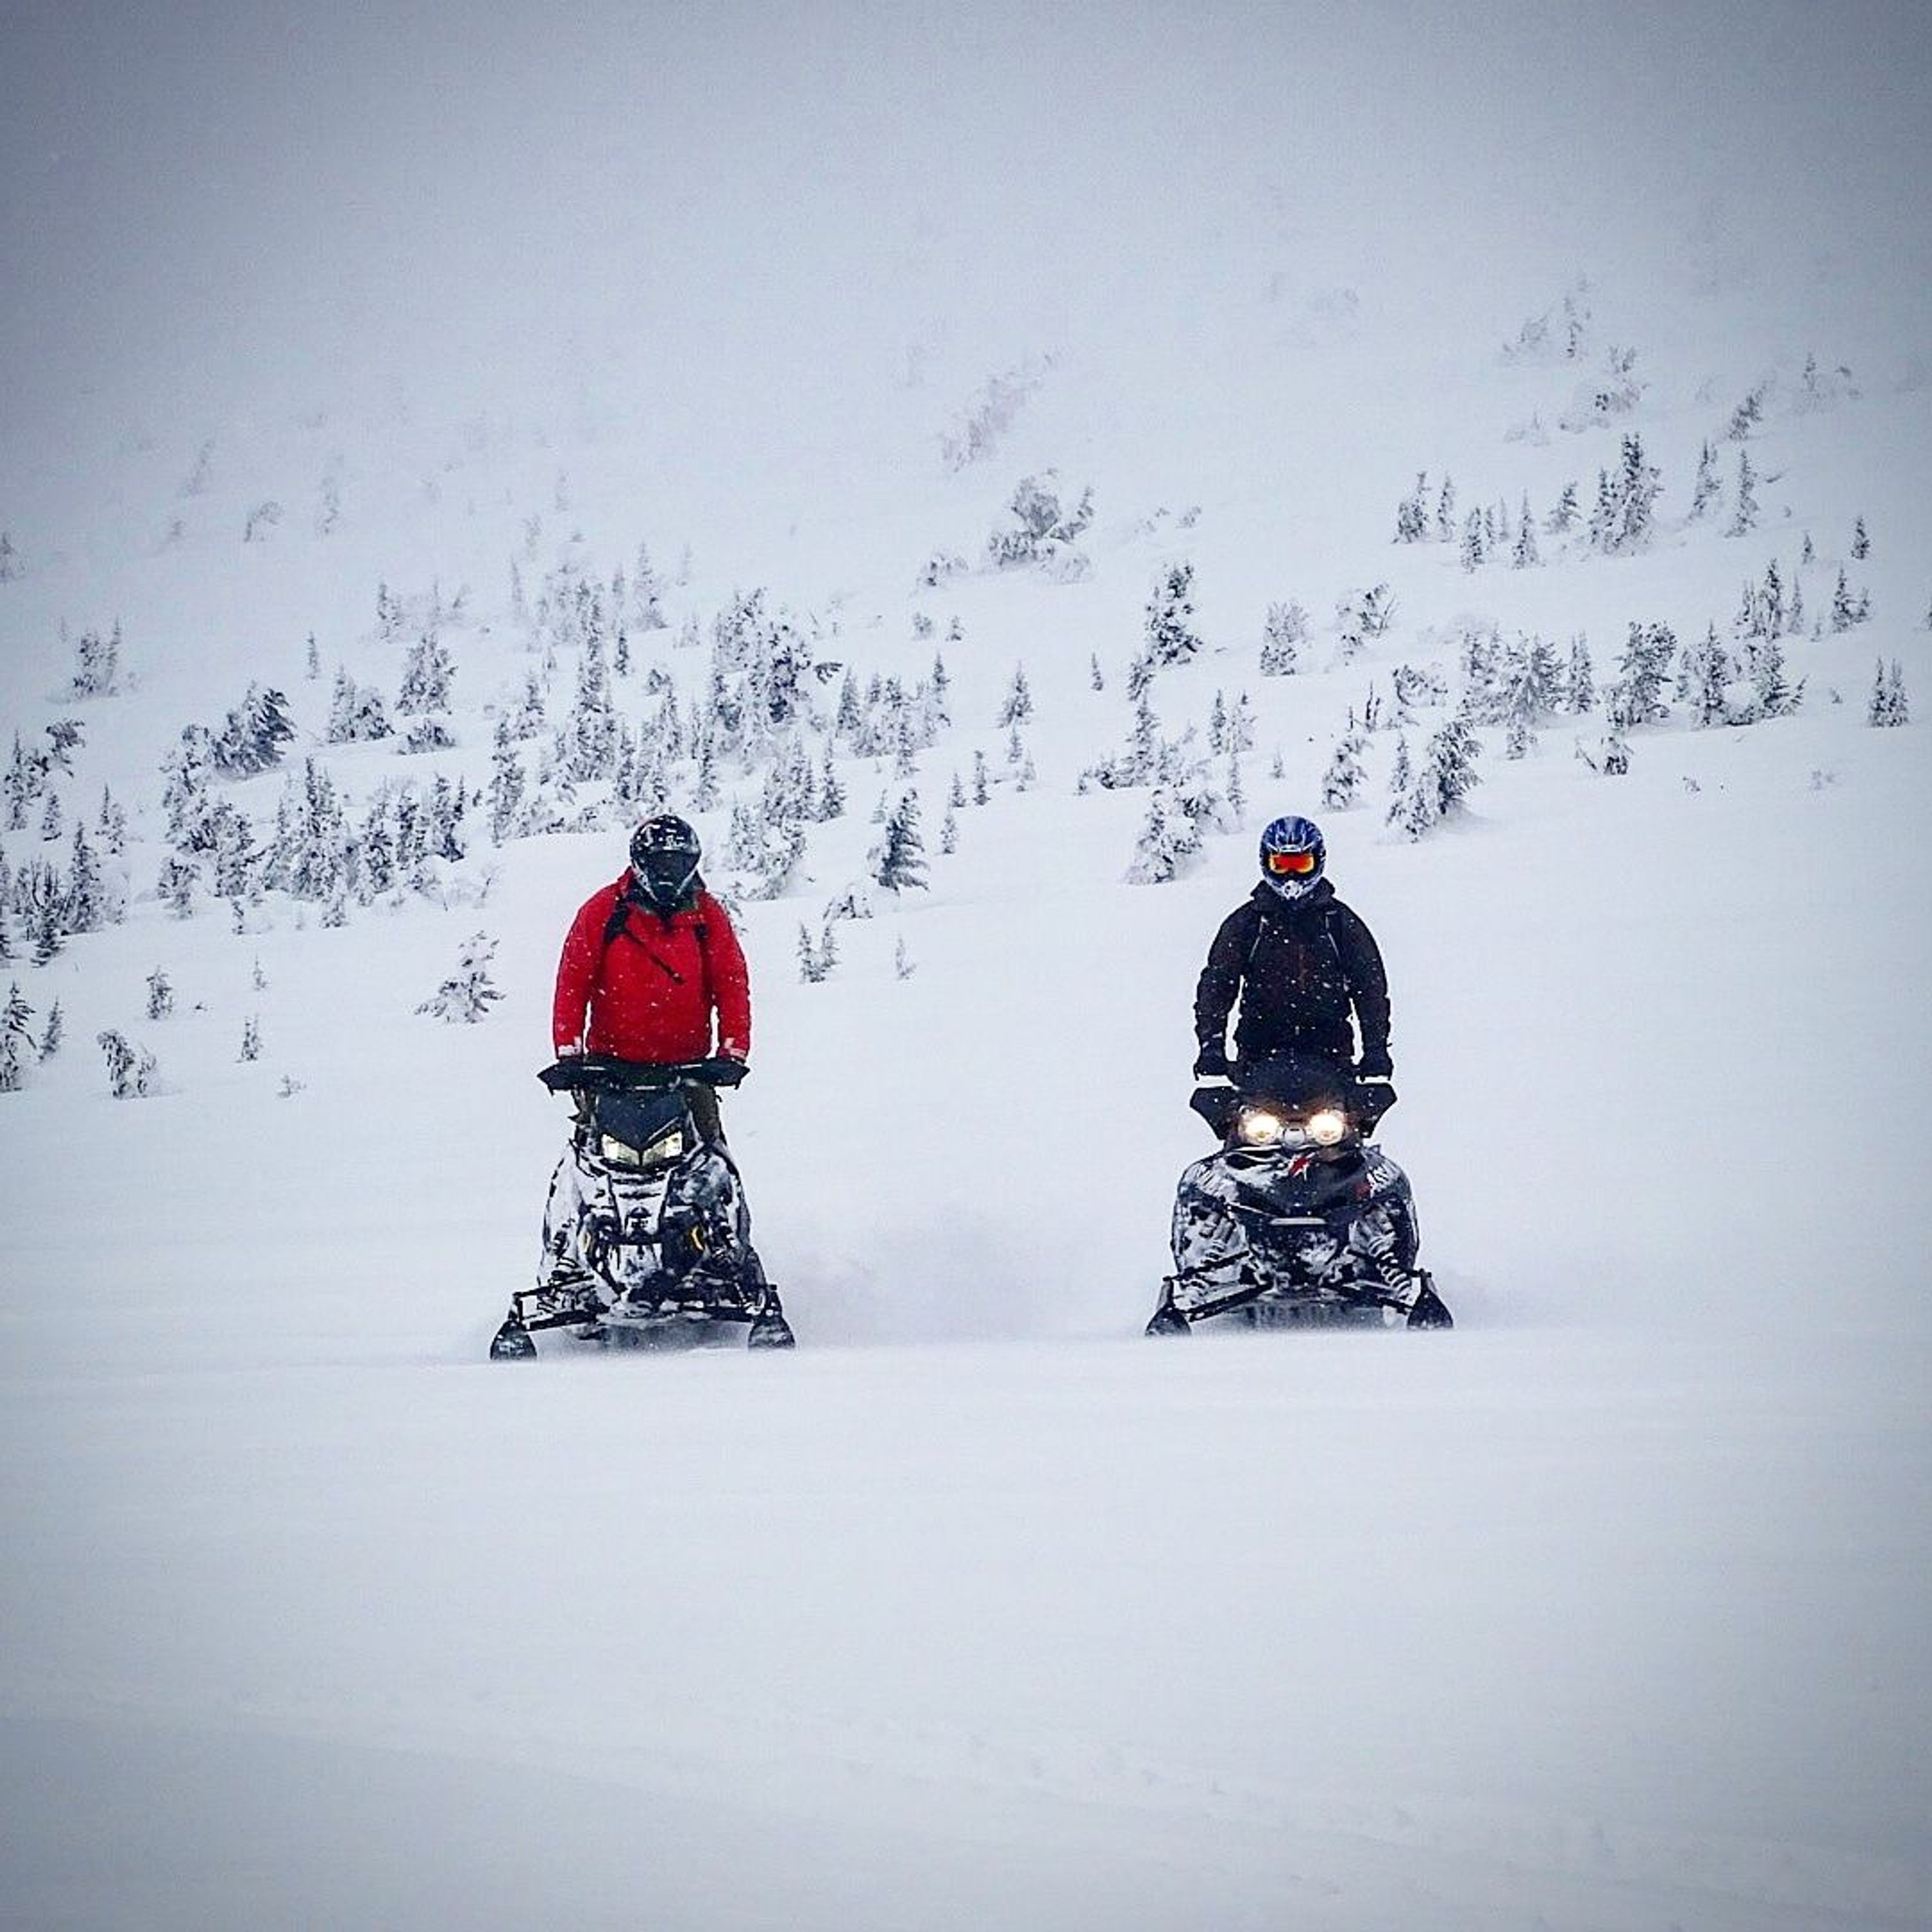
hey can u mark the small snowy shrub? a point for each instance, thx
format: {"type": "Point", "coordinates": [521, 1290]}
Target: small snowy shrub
{"type": "Point", "coordinates": [467, 995]}
{"type": "Point", "coordinates": [130, 1070]}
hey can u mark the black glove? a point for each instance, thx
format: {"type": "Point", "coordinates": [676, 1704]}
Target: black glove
{"type": "Point", "coordinates": [1211, 1063]}
{"type": "Point", "coordinates": [1375, 1064]}
{"type": "Point", "coordinates": [727, 1070]}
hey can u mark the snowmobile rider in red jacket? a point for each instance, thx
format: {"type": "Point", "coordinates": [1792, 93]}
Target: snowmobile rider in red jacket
{"type": "Point", "coordinates": [1306, 969]}
{"type": "Point", "coordinates": [649, 964]}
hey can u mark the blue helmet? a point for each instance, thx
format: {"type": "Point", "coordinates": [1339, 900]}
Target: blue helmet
{"type": "Point", "coordinates": [1293, 853]}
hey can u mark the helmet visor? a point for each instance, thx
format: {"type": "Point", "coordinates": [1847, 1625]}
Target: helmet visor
{"type": "Point", "coordinates": [1291, 865]}
{"type": "Point", "coordinates": [665, 875]}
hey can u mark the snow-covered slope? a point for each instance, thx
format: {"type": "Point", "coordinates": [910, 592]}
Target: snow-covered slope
{"type": "Point", "coordinates": [1602, 1610]}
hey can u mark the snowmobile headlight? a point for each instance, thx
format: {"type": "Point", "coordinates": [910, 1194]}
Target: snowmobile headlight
{"type": "Point", "coordinates": [1259, 1128]}
{"type": "Point", "coordinates": [1327, 1126]}
{"type": "Point", "coordinates": [669, 1145]}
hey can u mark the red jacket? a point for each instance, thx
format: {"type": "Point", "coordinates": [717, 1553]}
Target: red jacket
{"type": "Point", "coordinates": [651, 992]}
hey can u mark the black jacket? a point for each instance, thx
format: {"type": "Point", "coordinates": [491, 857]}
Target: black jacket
{"type": "Point", "coordinates": [1300, 970]}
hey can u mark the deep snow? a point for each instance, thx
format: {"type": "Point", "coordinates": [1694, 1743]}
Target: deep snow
{"type": "Point", "coordinates": [1604, 1610]}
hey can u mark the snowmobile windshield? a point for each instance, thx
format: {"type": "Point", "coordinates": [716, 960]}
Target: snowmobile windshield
{"type": "Point", "coordinates": [1292, 1088]}
{"type": "Point", "coordinates": [1297, 1083]}
{"type": "Point", "coordinates": [641, 1127]}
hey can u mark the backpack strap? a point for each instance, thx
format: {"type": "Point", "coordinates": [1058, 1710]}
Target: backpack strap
{"type": "Point", "coordinates": [620, 915]}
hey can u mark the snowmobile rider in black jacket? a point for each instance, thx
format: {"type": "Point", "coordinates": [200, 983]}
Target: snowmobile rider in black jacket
{"type": "Point", "coordinates": [1306, 969]}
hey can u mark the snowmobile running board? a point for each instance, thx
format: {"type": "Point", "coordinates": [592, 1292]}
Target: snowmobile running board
{"type": "Point", "coordinates": [580, 1318]}
{"type": "Point", "coordinates": [1240, 1297]}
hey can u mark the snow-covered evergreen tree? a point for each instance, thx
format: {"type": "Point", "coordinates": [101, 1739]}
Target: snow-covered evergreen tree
{"type": "Point", "coordinates": [815, 959]}
{"type": "Point", "coordinates": [467, 995]}
{"type": "Point", "coordinates": [356, 715]}
{"type": "Point", "coordinates": [1746, 417]}
{"type": "Point", "coordinates": [1744, 513]}
{"type": "Point", "coordinates": [428, 675]}
{"type": "Point", "coordinates": [1170, 837]}
{"type": "Point", "coordinates": [1861, 542]}
{"type": "Point", "coordinates": [55, 1032]}
{"type": "Point", "coordinates": [41, 896]}
{"type": "Point", "coordinates": [17, 1051]}
{"type": "Point", "coordinates": [177, 884]}
{"type": "Point", "coordinates": [1703, 679]}
{"type": "Point", "coordinates": [831, 794]}
{"type": "Point", "coordinates": [1018, 706]}
{"type": "Point", "coordinates": [1283, 635]}
{"type": "Point", "coordinates": [1888, 705]}
{"type": "Point", "coordinates": [646, 594]}
{"type": "Point", "coordinates": [253, 739]}
{"type": "Point", "coordinates": [251, 1038]}
{"type": "Point", "coordinates": [98, 665]}
{"type": "Point", "coordinates": [1564, 513]}
{"type": "Point", "coordinates": [898, 860]}
{"type": "Point", "coordinates": [111, 825]}
{"type": "Point", "coordinates": [508, 782]}
{"type": "Point", "coordinates": [1525, 555]}
{"type": "Point", "coordinates": [1440, 783]}
{"type": "Point", "coordinates": [1706, 490]}
{"type": "Point", "coordinates": [1579, 694]}
{"type": "Point", "coordinates": [1043, 531]}
{"type": "Point", "coordinates": [1774, 694]}
{"type": "Point", "coordinates": [161, 995]}
{"type": "Point", "coordinates": [590, 735]}
{"type": "Point", "coordinates": [1411, 514]}
{"type": "Point", "coordinates": [88, 910]}
{"type": "Point", "coordinates": [1846, 610]}
{"type": "Point", "coordinates": [1170, 636]}
{"type": "Point", "coordinates": [1642, 673]}
{"type": "Point", "coordinates": [448, 805]}
{"type": "Point", "coordinates": [1342, 784]}
{"type": "Point", "coordinates": [131, 1070]}
{"type": "Point", "coordinates": [1638, 486]}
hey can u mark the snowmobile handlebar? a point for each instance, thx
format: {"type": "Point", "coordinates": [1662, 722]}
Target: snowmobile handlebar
{"type": "Point", "coordinates": [599, 1073]}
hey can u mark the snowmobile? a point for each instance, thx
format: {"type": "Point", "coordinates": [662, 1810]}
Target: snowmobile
{"type": "Point", "coordinates": [647, 1239]}
{"type": "Point", "coordinates": [1298, 1220]}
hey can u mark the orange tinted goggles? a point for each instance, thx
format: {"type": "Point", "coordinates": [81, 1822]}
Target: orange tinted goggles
{"type": "Point", "coordinates": [1295, 865]}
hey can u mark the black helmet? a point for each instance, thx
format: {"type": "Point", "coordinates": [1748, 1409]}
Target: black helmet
{"type": "Point", "coordinates": [663, 860]}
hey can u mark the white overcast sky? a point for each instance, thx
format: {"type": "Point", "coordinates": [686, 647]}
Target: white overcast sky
{"type": "Point", "coordinates": [225, 201]}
